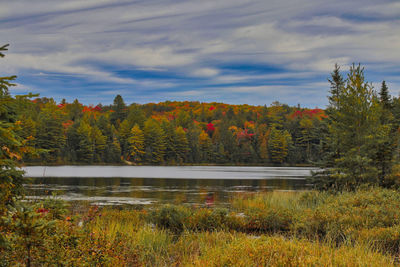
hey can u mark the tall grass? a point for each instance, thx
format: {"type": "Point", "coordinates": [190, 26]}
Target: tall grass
{"type": "Point", "coordinates": [266, 229]}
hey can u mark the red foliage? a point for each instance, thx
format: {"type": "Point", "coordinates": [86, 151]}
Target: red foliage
{"type": "Point", "coordinates": [244, 135]}
{"type": "Point", "coordinates": [61, 105]}
{"type": "Point", "coordinates": [97, 108]}
{"type": "Point", "coordinates": [211, 108]}
{"type": "Point", "coordinates": [210, 127]}
{"type": "Point", "coordinates": [310, 113]}
{"type": "Point", "coordinates": [67, 124]}
{"type": "Point", "coordinates": [42, 211]}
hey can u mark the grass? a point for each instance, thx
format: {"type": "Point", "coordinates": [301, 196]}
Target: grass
{"type": "Point", "coordinates": [269, 229]}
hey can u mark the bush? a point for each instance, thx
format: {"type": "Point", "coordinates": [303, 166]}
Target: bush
{"type": "Point", "coordinates": [171, 217]}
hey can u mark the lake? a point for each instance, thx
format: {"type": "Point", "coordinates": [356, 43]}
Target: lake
{"type": "Point", "coordinates": [142, 185]}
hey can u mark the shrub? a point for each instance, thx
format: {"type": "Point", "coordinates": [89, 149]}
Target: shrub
{"type": "Point", "coordinates": [170, 217]}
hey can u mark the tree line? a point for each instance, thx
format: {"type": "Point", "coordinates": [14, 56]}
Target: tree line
{"type": "Point", "coordinates": [169, 132]}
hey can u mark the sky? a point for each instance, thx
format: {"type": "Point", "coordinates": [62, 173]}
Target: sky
{"type": "Point", "coordinates": [232, 51]}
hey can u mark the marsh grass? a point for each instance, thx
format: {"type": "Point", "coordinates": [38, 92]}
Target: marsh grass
{"type": "Point", "coordinates": [264, 229]}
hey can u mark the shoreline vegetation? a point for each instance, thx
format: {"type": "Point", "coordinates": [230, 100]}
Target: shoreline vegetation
{"type": "Point", "coordinates": [167, 165]}
{"type": "Point", "coordinates": [277, 228]}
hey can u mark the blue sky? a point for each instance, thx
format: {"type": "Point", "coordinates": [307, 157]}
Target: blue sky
{"type": "Point", "coordinates": [233, 51]}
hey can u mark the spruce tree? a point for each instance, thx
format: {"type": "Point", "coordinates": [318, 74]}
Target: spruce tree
{"type": "Point", "coordinates": [384, 96]}
{"type": "Point", "coordinates": [337, 83]}
{"type": "Point", "coordinates": [120, 110]}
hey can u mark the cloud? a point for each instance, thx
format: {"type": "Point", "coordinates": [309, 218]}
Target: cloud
{"type": "Point", "coordinates": [183, 47]}
{"type": "Point", "coordinates": [205, 72]}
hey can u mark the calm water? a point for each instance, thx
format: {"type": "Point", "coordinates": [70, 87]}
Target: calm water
{"type": "Point", "coordinates": [136, 185]}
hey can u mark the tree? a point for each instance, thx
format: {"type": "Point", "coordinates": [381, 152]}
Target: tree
{"type": "Point", "coordinates": [355, 132]}
{"type": "Point", "coordinates": [124, 134]}
{"type": "Point", "coordinates": [154, 141]}
{"type": "Point", "coordinates": [384, 97]}
{"type": "Point", "coordinates": [50, 132]}
{"type": "Point", "coordinates": [136, 143]}
{"type": "Point", "coordinates": [205, 145]}
{"type": "Point", "coordinates": [182, 145]}
{"type": "Point", "coordinates": [120, 110]}
{"type": "Point", "coordinates": [99, 144]}
{"type": "Point", "coordinates": [85, 149]}
{"type": "Point", "coordinates": [337, 83]}
{"type": "Point", "coordinates": [170, 141]}
{"type": "Point", "coordinates": [12, 148]}
{"type": "Point", "coordinates": [10, 177]}
{"type": "Point", "coordinates": [278, 145]}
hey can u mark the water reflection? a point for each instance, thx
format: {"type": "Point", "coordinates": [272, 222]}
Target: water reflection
{"type": "Point", "coordinates": [132, 191]}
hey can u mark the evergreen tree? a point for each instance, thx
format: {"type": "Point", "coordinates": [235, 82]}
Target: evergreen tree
{"type": "Point", "coordinates": [181, 145]}
{"type": "Point", "coordinates": [384, 97]}
{"type": "Point", "coordinates": [113, 154]}
{"type": "Point", "coordinates": [99, 144]}
{"type": "Point", "coordinates": [120, 110]}
{"type": "Point", "coordinates": [136, 116]}
{"type": "Point", "coordinates": [205, 145]}
{"type": "Point", "coordinates": [85, 149]}
{"type": "Point", "coordinates": [337, 83]}
{"type": "Point", "coordinates": [278, 145]}
{"type": "Point", "coordinates": [136, 143]}
{"type": "Point", "coordinates": [154, 141]}
{"type": "Point", "coordinates": [355, 130]}
{"type": "Point", "coordinates": [170, 141]}
{"type": "Point", "coordinates": [10, 178]}
{"type": "Point", "coordinates": [50, 132]}
{"type": "Point", "coordinates": [124, 134]}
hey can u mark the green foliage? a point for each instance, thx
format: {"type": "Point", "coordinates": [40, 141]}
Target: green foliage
{"type": "Point", "coordinates": [50, 133]}
{"type": "Point", "coordinates": [181, 145]}
{"type": "Point", "coordinates": [170, 217]}
{"type": "Point", "coordinates": [119, 111]}
{"type": "Point", "coordinates": [154, 141]}
{"type": "Point", "coordinates": [136, 143]}
{"type": "Point", "coordinates": [356, 134]}
{"type": "Point", "coordinates": [278, 144]}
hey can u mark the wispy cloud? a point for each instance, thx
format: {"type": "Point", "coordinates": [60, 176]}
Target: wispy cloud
{"type": "Point", "coordinates": [214, 50]}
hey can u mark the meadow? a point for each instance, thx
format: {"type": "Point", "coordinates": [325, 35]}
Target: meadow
{"type": "Point", "coordinates": [264, 229]}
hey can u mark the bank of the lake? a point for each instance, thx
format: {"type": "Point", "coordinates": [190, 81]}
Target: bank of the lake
{"type": "Point", "coordinates": [132, 185]}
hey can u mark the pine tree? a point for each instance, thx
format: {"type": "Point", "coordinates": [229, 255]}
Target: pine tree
{"type": "Point", "coordinates": [50, 132]}
{"type": "Point", "coordinates": [85, 149]}
{"type": "Point", "coordinates": [120, 110]}
{"type": "Point", "coordinates": [154, 141]}
{"type": "Point", "coordinates": [355, 131]}
{"type": "Point", "coordinates": [205, 145]}
{"type": "Point", "coordinates": [136, 116]}
{"type": "Point", "coordinates": [136, 143]}
{"type": "Point", "coordinates": [170, 141]}
{"type": "Point", "coordinates": [278, 145]}
{"type": "Point", "coordinates": [182, 145]}
{"type": "Point", "coordinates": [124, 134]}
{"type": "Point", "coordinates": [99, 144]}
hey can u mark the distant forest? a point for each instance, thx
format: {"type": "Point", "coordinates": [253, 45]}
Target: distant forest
{"type": "Point", "coordinates": [169, 133]}
{"type": "Point", "coordinates": [172, 132]}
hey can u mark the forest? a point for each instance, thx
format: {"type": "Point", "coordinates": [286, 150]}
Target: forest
{"type": "Point", "coordinates": [169, 133]}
